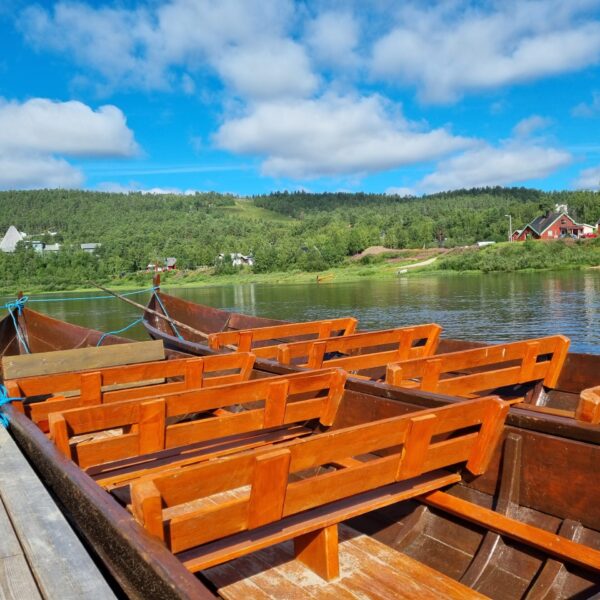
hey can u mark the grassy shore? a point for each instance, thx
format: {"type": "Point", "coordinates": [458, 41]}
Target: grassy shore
{"type": "Point", "coordinates": [529, 256]}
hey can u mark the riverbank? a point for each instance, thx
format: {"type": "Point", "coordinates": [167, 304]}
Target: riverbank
{"type": "Point", "coordinates": [503, 257]}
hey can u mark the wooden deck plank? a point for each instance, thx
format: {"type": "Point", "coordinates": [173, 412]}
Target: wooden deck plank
{"type": "Point", "coordinates": [60, 565]}
{"type": "Point", "coordinates": [368, 570]}
{"type": "Point", "coordinates": [16, 580]}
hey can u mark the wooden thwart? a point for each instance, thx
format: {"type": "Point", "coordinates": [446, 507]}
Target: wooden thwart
{"type": "Point", "coordinates": [457, 433]}
{"type": "Point", "coordinates": [89, 388]}
{"type": "Point", "coordinates": [256, 340]}
{"type": "Point", "coordinates": [146, 422]}
{"type": "Point", "coordinates": [550, 543]}
{"type": "Point", "coordinates": [365, 350]}
{"type": "Point", "coordinates": [493, 367]}
{"type": "Point", "coordinates": [79, 359]}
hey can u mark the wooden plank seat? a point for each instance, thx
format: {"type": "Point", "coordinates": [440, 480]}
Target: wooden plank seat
{"type": "Point", "coordinates": [588, 408]}
{"type": "Point", "coordinates": [263, 341]}
{"type": "Point", "coordinates": [79, 359]}
{"type": "Point", "coordinates": [365, 350]}
{"type": "Point", "coordinates": [470, 373]}
{"type": "Point", "coordinates": [64, 391]}
{"type": "Point", "coordinates": [146, 425]}
{"type": "Point", "coordinates": [302, 489]}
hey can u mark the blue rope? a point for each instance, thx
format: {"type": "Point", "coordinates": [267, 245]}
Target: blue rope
{"type": "Point", "coordinates": [168, 317]}
{"type": "Point", "coordinates": [152, 289]}
{"type": "Point", "coordinates": [18, 305]}
{"type": "Point", "coordinates": [4, 399]}
{"type": "Point", "coordinates": [136, 322]}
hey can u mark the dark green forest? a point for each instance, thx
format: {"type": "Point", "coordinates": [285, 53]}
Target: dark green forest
{"type": "Point", "coordinates": [283, 231]}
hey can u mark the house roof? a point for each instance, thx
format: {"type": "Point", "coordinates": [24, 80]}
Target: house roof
{"type": "Point", "coordinates": [10, 240]}
{"type": "Point", "coordinates": [90, 246]}
{"type": "Point", "coordinates": [540, 224]}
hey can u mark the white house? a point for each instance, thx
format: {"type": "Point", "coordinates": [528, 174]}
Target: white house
{"type": "Point", "coordinates": [11, 238]}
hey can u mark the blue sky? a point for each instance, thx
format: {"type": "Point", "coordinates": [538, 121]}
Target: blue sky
{"type": "Point", "coordinates": [252, 96]}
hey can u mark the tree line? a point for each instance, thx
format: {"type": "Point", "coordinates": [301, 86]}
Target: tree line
{"type": "Point", "coordinates": [320, 231]}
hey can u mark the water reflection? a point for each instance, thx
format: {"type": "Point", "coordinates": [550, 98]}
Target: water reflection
{"type": "Point", "coordinates": [493, 307]}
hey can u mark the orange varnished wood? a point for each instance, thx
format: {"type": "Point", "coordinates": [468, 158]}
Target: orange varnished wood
{"type": "Point", "coordinates": [267, 472]}
{"type": "Point", "coordinates": [245, 339]}
{"type": "Point", "coordinates": [365, 350]}
{"type": "Point", "coordinates": [90, 388]}
{"type": "Point", "coordinates": [588, 408]}
{"type": "Point", "coordinates": [318, 550]}
{"type": "Point", "coordinates": [445, 373]}
{"type": "Point", "coordinates": [285, 400]}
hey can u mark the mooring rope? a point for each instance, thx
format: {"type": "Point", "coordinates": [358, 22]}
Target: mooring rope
{"type": "Point", "coordinates": [5, 399]}
{"type": "Point", "coordinates": [168, 317]}
{"type": "Point", "coordinates": [133, 324]}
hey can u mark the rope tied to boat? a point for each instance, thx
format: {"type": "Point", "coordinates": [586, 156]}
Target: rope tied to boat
{"type": "Point", "coordinates": [167, 315]}
{"type": "Point", "coordinates": [6, 399]}
{"type": "Point", "coordinates": [116, 332]}
{"type": "Point", "coordinates": [18, 305]}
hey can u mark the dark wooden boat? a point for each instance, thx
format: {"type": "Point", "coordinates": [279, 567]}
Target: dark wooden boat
{"type": "Point", "coordinates": [546, 410]}
{"type": "Point", "coordinates": [545, 473]}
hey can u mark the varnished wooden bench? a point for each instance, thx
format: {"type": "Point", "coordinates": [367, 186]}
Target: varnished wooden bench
{"type": "Point", "coordinates": [58, 392]}
{"type": "Point", "coordinates": [588, 408]}
{"type": "Point", "coordinates": [226, 508]}
{"type": "Point", "coordinates": [271, 403]}
{"type": "Point", "coordinates": [490, 367]}
{"type": "Point", "coordinates": [366, 350]}
{"type": "Point", "coordinates": [263, 341]}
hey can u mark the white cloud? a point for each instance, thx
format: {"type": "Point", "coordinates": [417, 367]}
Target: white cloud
{"type": "Point", "coordinates": [34, 136]}
{"type": "Point", "coordinates": [589, 179]}
{"type": "Point", "coordinates": [527, 126]}
{"type": "Point", "coordinates": [588, 110]}
{"type": "Point", "coordinates": [332, 136]}
{"type": "Point", "coordinates": [332, 38]}
{"type": "Point", "coordinates": [28, 171]}
{"type": "Point", "coordinates": [134, 187]}
{"type": "Point", "coordinates": [273, 70]}
{"type": "Point", "coordinates": [486, 165]}
{"type": "Point", "coordinates": [453, 48]}
{"type": "Point", "coordinates": [244, 41]}
{"type": "Point", "coordinates": [42, 125]}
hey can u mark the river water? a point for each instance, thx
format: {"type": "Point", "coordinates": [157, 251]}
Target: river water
{"type": "Point", "coordinates": [488, 307]}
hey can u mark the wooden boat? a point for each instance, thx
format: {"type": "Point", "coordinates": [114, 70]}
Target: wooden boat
{"type": "Point", "coordinates": [524, 522]}
{"type": "Point", "coordinates": [547, 408]}
{"type": "Point", "coordinates": [493, 533]}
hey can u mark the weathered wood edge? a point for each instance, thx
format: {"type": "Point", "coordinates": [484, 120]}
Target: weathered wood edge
{"type": "Point", "coordinates": [142, 566]}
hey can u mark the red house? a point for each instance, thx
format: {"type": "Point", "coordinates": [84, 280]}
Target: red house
{"type": "Point", "coordinates": [551, 226]}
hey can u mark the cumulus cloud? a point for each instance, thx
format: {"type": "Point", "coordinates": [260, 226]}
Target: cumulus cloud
{"type": "Point", "coordinates": [531, 124]}
{"type": "Point", "coordinates": [589, 179]}
{"type": "Point", "coordinates": [588, 109]}
{"type": "Point", "coordinates": [453, 48]}
{"type": "Point", "coordinates": [487, 165]}
{"type": "Point", "coordinates": [37, 134]}
{"type": "Point", "coordinates": [403, 192]}
{"type": "Point", "coordinates": [332, 135]}
{"type": "Point", "coordinates": [333, 38]}
{"type": "Point", "coordinates": [243, 41]}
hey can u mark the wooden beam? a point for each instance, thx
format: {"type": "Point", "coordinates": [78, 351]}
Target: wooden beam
{"type": "Point", "coordinates": [546, 541]}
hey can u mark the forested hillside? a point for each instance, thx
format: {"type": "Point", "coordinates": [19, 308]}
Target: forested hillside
{"type": "Point", "coordinates": [283, 231]}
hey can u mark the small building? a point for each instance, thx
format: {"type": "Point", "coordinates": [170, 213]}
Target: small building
{"type": "Point", "coordinates": [170, 264]}
{"type": "Point", "coordinates": [484, 244]}
{"type": "Point", "coordinates": [11, 238]}
{"type": "Point", "coordinates": [551, 226]}
{"type": "Point", "coordinates": [238, 260]}
{"type": "Point", "coordinates": [52, 247]}
{"type": "Point", "coordinates": [90, 247]}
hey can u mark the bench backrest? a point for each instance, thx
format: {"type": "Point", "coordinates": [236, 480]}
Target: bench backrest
{"type": "Point", "coordinates": [367, 350]}
{"type": "Point", "coordinates": [492, 367]}
{"type": "Point", "coordinates": [263, 341]}
{"type": "Point", "coordinates": [87, 388]}
{"type": "Point", "coordinates": [149, 422]}
{"type": "Point", "coordinates": [406, 446]}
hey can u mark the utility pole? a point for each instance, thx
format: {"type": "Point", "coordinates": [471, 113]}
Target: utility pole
{"type": "Point", "coordinates": [509, 227]}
